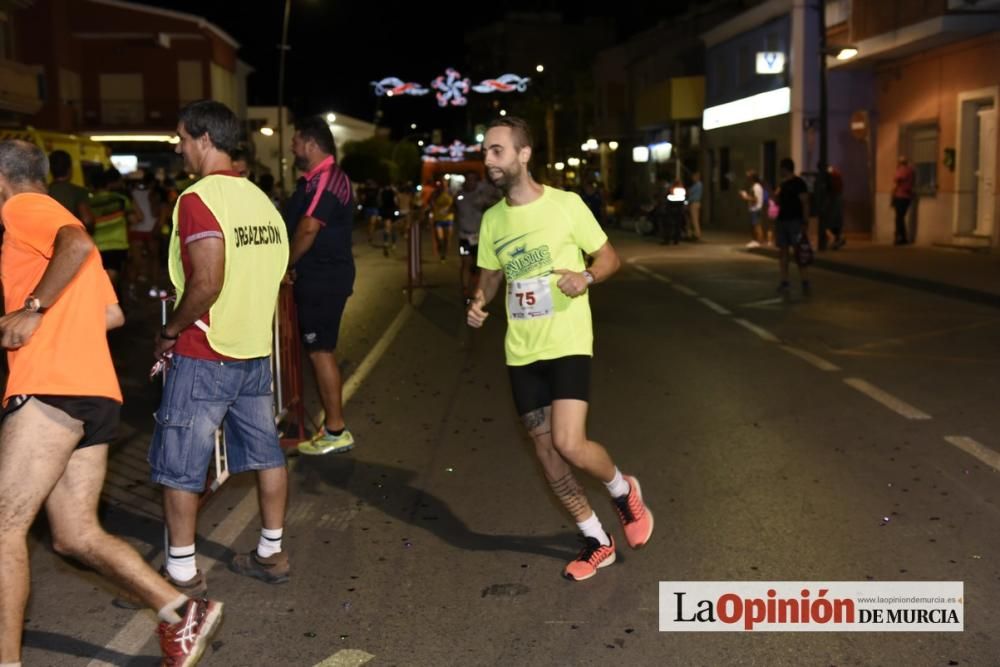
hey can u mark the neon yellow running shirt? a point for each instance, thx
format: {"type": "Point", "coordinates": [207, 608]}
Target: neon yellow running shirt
{"type": "Point", "coordinates": [527, 243]}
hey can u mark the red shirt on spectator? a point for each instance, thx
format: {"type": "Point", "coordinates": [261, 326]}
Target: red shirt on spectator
{"type": "Point", "coordinates": [905, 176]}
{"type": "Point", "coordinates": [195, 222]}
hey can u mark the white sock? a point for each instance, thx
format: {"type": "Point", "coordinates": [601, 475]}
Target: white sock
{"type": "Point", "coordinates": [270, 542]}
{"type": "Point", "coordinates": [180, 563]}
{"type": "Point", "coordinates": [618, 487]}
{"type": "Point", "coordinates": [171, 612]}
{"type": "Point", "coordinates": [592, 528]}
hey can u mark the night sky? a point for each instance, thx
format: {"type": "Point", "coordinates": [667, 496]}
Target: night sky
{"type": "Point", "coordinates": [337, 48]}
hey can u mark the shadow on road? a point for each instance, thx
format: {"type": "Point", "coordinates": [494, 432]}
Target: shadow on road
{"type": "Point", "coordinates": [390, 490]}
{"type": "Point", "coordinates": [56, 643]}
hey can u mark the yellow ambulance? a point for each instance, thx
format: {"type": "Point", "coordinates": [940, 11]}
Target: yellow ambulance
{"type": "Point", "coordinates": [88, 156]}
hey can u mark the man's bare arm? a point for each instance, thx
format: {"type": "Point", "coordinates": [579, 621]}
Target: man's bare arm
{"type": "Point", "coordinates": [208, 262]}
{"type": "Point", "coordinates": [305, 236]}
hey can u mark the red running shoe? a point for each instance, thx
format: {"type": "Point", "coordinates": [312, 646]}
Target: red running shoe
{"type": "Point", "coordinates": [636, 518]}
{"type": "Point", "coordinates": [182, 643]}
{"type": "Point", "coordinates": [593, 556]}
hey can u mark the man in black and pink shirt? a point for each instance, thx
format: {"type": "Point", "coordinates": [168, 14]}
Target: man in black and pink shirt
{"type": "Point", "coordinates": [319, 216]}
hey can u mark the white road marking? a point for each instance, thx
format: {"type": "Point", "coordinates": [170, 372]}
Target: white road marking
{"type": "Point", "coordinates": [714, 306]}
{"type": "Point", "coordinates": [898, 406]}
{"type": "Point", "coordinates": [348, 657]}
{"type": "Point", "coordinates": [818, 362]}
{"type": "Point", "coordinates": [763, 333]}
{"type": "Point", "coordinates": [377, 352]}
{"type": "Point", "coordinates": [764, 302]}
{"type": "Point", "coordinates": [975, 448]}
{"type": "Point", "coordinates": [683, 289]}
{"type": "Point", "coordinates": [650, 274]}
{"type": "Point", "coordinates": [131, 638]}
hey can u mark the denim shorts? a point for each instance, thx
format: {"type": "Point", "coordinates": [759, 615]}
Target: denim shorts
{"type": "Point", "coordinates": [200, 397]}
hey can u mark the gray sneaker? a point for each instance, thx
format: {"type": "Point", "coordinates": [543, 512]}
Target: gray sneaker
{"type": "Point", "coordinates": [273, 569]}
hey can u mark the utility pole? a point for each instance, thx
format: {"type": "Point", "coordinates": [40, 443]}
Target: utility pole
{"type": "Point", "coordinates": [822, 188]}
{"type": "Point", "coordinates": [281, 101]}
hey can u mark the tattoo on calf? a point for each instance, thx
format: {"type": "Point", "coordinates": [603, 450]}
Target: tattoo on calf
{"type": "Point", "coordinates": [570, 494]}
{"type": "Point", "coordinates": [533, 419]}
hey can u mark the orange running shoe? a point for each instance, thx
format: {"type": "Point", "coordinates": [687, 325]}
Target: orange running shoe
{"type": "Point", "coordinates": [636, 518]}
{"type": "Point", "coordinates": [593, 556]}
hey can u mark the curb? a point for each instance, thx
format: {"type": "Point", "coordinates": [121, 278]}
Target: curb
{"type": "Point", "coordinates": [943, 289]}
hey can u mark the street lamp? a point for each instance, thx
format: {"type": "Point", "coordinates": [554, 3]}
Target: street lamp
{"type": "Point", "coordinates": [539, 68]}
{"type": "Point", "coordinates": [331, 117]}
{"type": "Point", "coordinates": [503, 112]}
{"type": "Point", "coordinates": [413, 126]}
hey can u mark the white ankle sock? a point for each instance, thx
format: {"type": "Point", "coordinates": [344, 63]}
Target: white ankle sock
{"type": "Point", "coordinates": [171, 612]}
{"type": "Point", "coordinates": [592, 528]}
{"type": "Point", "coordinates": [618, 487]}
{"type": "Point", "coordinates": [270, 542]}
{"type": "Point", "coordinates": [180, 563]}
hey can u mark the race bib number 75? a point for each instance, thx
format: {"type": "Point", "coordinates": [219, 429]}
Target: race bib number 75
{"type": "Point", "coordinates": [529, 299]}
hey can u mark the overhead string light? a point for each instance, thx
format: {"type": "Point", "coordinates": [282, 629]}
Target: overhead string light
{"type": "Point", "coordinates": [452, 88]}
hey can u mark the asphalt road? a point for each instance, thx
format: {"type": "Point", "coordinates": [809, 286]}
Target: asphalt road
{"type": "Point", "coordinates": [801, 441]}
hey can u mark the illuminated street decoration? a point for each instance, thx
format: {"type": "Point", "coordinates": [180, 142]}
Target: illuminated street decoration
{"type": "Point", "coordinates": [391, 86]}
{"type": "Point", "coordinates": [451, 87]}
{"type": "Point", "coordinates": [454, 152]}
{"type": "Point", "coordinates": [507, 83]}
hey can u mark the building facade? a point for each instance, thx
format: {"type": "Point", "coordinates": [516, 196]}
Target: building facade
{"type": "Point", "coordinates": [763, 104]}
{"type": "Point", "coordinates": [935, 103]}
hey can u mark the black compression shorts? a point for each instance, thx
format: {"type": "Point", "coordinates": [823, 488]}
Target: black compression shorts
{"type": "Point", "coordinates": [537, 384]}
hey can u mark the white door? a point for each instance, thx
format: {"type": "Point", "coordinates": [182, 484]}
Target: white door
{"type": "Point", "coordinates": [987, 175]}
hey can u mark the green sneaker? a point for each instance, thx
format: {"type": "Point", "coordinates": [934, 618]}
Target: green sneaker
{"type": "Point", "coordinates": [324, 443]}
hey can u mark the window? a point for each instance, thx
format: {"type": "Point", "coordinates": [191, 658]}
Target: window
{"type": "Point", "coordinates": [920, 144]}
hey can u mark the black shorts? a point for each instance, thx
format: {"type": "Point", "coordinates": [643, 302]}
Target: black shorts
{"type": "Point", "coordinates": [467, 249]}
{"type": "Point", "coordinates": [537, 384]}
{"type": "Point", "coordinates": [100, 415]}
{"type": "Point", "coordinates": [114, 260]}
{"type": "Point", "coordinates": [320, 308]}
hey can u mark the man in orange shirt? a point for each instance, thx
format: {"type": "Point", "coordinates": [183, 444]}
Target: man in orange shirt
{"type": "Point", "coordinates": [61, 408]}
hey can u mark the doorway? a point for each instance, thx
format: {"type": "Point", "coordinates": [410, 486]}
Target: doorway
{"type": "Point", "coordinates": [976, 164]}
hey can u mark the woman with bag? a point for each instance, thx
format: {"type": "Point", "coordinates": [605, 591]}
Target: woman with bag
{"type": "Point", "coordinates": [754, 197]}
{"type": "Point", "coordinates": [790, 227]}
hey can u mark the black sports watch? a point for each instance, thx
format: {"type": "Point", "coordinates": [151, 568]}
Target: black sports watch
{"type": "Point", "coordinates": [34, 305]}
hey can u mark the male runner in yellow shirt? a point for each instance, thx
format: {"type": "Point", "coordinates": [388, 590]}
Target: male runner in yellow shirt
{"type": "Point", "coordinates": [533, 238]}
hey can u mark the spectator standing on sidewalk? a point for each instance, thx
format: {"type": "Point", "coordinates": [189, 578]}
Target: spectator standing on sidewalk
{"type": "Point", "coordinates": [75, 198]}
{"type": "Point", "coordinates": [319, 216]}
{"type": "Point", "coordinates": [61, 410]}
{"type": "Point", "coordinates": [754, 197]}
{"type": "Point", "coordinates": [694, 195]}
{"type": "Point", "coordinates": [902, 195]}
{"type": "Point", "coordinates": [113, 213]}
{"type": "Point", "coordinates": [228, 255]}
{"type": "Point", "coordinates": [792, 195]}
{"type": "Point", "coordinates": [832, 219]}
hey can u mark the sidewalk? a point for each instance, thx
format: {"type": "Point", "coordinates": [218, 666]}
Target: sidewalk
{"type": "Point", "coordinates": [960, 274]}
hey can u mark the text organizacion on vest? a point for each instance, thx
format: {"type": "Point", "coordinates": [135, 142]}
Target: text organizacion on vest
{"type": "Point", "coordinates": [257, 235]}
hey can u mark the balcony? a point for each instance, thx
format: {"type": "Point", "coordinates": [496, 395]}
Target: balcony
{"type": "Point", "coordinates": [20, 87]}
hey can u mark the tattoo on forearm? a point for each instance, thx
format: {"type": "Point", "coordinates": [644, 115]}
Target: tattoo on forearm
{"type": "Point", "coordinates": [570, 494]}
{"type": "Point", "coordinates": [533, 419]}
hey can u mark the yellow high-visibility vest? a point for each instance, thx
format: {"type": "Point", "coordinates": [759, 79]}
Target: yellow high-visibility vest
{"type": "Point", "coordinates": [240, 321]}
